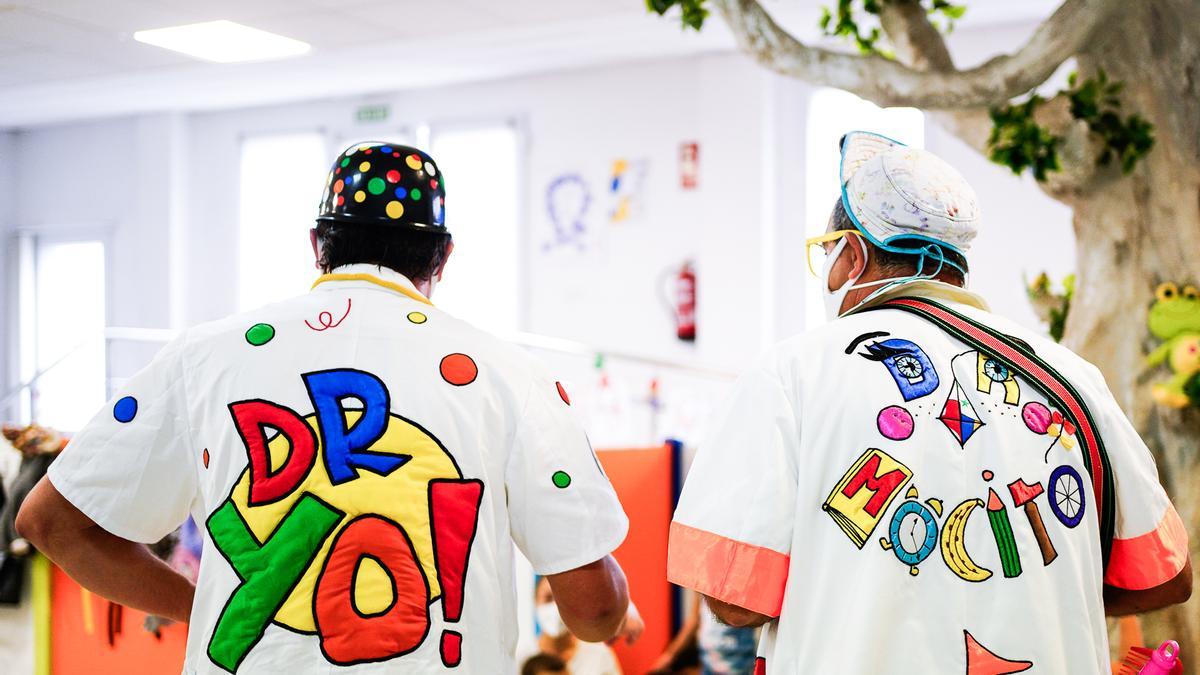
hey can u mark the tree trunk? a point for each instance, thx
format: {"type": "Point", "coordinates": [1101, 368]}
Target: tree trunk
{"type": "Point", "coordinates": [1133, 233]}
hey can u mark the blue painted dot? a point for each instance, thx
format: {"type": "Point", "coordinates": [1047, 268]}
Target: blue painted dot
{"type": "Point", "coordinates": [387, 149]}
{"type": "Point", "coordinates": [401, 193]}
{"type": "Point", "coordinates": [125, 409]}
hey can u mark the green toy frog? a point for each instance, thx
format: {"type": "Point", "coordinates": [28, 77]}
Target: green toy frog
{"type": "Point", "coordinates": [1175, 319]}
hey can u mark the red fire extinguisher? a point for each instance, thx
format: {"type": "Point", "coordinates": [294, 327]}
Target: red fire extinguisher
{"type": "Point", "coordinates": [685, 302]}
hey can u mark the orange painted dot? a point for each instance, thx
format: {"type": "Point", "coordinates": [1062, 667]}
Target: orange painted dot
{"type": "Point", "coordinates": [459, 369]}
{"type": "Point", "coordinates": [562, 393]}
{"type": "Point", "coordinates": [206, 458]}
{"type": "Point", "coordinates": [338, 187]}
{"type": "Point", "coordinates": [988, 475]}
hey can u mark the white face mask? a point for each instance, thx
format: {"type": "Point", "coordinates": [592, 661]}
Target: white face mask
{"type": "Point", "coordinates": [834, 299]}
{"type": "Point", "coordinates": [549, 620]}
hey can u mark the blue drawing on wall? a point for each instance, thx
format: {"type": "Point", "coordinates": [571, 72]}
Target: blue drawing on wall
{"type": "Point", "coordinates": [912, 370]}
{"type": "Point", "coordinates": [568, 199]}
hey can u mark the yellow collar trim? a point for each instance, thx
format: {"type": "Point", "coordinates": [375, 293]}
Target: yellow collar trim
{"type": "Point", "coordinates": [369, 278]}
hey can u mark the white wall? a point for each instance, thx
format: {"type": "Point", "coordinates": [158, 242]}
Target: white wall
{"type": "Point", "coordinates": [166, 187]}
{"type": "Point", "coordinates": [577, 122]}
{"type": "Point", "coordinates": [8, 289]}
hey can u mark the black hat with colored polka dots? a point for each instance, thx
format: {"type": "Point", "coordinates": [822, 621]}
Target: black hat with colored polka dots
{"type": "Point", "coordinates": [385, 184]}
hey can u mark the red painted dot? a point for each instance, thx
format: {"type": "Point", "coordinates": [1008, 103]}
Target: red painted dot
{"type": "Point", "coordinates": [337, 171]}
{"type": "Point", "coordinates": [433, 183]}
{"type": "Point", "coordinates": [393, 176]}
{"type": "Point", "coordinates": [206, 458]}
{"type": "Point", "coordinates": [562, 393]}
{"type": "Point", "coordinates": [459, 369]}
{"type": "Point", "coordinates": [368, 151]}
{"type": "Point", "coordinates": [341, 200]}
{"type": "Point", "coordinates": [395, 154]}
{"type": "Point", "coordinates": [988, 475]}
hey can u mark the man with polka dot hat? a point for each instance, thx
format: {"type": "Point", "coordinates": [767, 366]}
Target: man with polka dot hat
{"type": "Point", "coordinates": [919, 485]}
{"type": "Point", "coordinates": [361, 463]}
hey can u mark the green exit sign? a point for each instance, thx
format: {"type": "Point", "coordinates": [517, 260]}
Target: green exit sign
{"type": "Point", "coordinates": [371, 113]}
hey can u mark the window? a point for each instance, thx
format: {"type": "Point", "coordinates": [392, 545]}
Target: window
{"type": "Point", "coordinates": [62, 331]}
{"type": "Point", "coordinates": [282, 180]}
{"type": "Point", "coordinates": [481, 168]}
{"type": "Point", "coordinates": [832, 113]}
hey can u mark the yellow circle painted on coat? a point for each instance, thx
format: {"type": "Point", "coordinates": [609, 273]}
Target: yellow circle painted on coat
{"type": "Point", "coordinates": [401, 496]}
{"type": "Point", "coordinates": [360, 196]}
{"type": "Point", "coordinates": [364, 167]}
{"type": "Point", "coordinates": [394, 209]}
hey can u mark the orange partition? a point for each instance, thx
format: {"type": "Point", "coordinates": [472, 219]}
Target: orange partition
{"type": "Point", "coordinates": [80, 636]}
{"type": "Point", "coordinates": [644, 481]}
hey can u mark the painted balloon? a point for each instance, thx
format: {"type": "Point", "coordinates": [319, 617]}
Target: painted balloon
{"type": "Point", "coordinates": [895, 423]}
{"type": "Point", "coordinates": [1036, 416]}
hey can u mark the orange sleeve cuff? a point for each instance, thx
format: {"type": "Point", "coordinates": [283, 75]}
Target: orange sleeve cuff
{"type": "Point", "coordinates": [752, 577]}
{"type": "Point", "coordinates": [1150, 559]}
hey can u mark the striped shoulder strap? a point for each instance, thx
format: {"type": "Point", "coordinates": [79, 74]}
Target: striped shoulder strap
{"type": "Point", "coordinates": [1057, 389]}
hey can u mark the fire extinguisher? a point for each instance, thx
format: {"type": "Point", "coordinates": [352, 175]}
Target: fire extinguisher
{"type": "Point", "coordinates": [684, 304]}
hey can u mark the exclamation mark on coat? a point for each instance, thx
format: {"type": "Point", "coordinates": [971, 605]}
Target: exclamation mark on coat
{"type": "Point", "coordinates": [453, 516]}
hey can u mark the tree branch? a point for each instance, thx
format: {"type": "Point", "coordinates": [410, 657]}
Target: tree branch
{"type": "Point", "coordinates": [917, 43]}
{"type": "Point", "coordinates": [889, 83]}
{"type": "Point", "coordinates": [920, 46]}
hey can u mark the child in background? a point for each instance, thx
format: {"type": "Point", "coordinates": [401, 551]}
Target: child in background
{"type": "Point", "coordinates": [544, 664]}
{"type": "Point", "coordinates": [583, 658]}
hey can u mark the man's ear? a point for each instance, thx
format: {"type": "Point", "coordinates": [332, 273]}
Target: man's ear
{"type": "Point", "coordinates": [449, 250]}
{"type": "Point", "coordinates": [858, 255]}
{"type": "Point", "coordinates": [312, 237]}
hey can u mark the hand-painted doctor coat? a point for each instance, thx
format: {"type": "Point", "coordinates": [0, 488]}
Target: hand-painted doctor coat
{"type": "Point", "coordinates": [361, 465]}
{"type": "Point", "coordinates": [905, 504]}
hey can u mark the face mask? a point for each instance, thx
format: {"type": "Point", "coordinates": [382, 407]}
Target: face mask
{"type": "Point", "coordinates": [834, 299]}
{"type": "Point", "coordinates": [549, 619]}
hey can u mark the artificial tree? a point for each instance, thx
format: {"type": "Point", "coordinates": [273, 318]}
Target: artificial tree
{"type": "Point", "coordinates": [1120, 145]}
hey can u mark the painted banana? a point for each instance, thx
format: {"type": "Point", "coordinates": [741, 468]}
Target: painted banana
{"type": "Point", "coordinates": [954, 543]}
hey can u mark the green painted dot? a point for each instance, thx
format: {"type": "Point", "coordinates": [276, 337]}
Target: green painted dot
{"type": "Point", "coordinates": [260, 334]}
{"type": "Point", "coordinates": [345, 162]}
{"type": "Point", "coordinates": [561, 479]}
{"type": "Point", "coordinates": [415, 194]}
{"type": "Point", "coordinates": [376, 186]}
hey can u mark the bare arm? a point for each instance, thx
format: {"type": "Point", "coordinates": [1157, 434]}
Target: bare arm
{"type": "Point", "coordinates": [593, 599]}
{"type": "Point", "coordinates": [733, 615]}
{"type": "Point", "coordinates": [1121, 602]}
{"type": "Point", "coordinates": [123, 571]}
{"type": "Point", "coordinates": [687, 634]}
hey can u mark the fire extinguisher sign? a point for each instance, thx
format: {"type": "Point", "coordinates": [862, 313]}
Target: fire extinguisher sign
{"type": "Point", "coordinates": [689, 165]}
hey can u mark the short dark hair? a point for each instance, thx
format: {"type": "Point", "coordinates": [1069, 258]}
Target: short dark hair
{"type": "Point", "coordinates": [543, 663]}
{"type": "Point", "coordinates": [906, 263]}
{"type": "Point", "coordinates": [416, 254]}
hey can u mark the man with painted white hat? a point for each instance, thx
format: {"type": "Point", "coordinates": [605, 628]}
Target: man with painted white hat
{"type": "Point", "coordinates": [921, 486]}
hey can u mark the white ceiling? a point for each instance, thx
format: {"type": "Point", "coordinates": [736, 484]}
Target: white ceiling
{"type": "Point", "coordinates": [72, 59]}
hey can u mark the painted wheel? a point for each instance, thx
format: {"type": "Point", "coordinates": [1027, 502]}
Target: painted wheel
{"type": "Point", "coordinates": [909, 366]}
{"type": "Point", "coordinates": [996, 371]}
{"type": "Point", "coordinates": [1067, 499]}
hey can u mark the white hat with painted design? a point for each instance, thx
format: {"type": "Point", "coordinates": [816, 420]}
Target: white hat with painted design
{"type": "Point", "coordinates": [904, 199]}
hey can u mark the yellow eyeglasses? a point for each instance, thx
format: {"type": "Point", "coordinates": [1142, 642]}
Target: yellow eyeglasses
{"type": "Point", "coordinates": [817, 251]}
